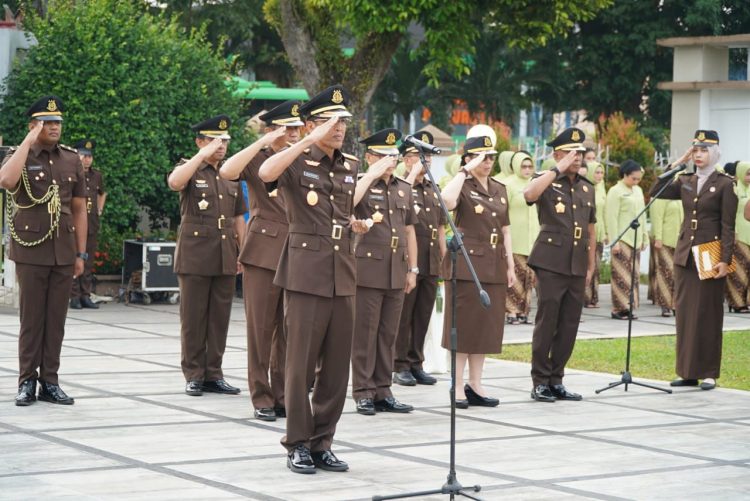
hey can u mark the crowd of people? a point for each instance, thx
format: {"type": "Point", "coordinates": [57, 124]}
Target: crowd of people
{"type": "Point", "coordinates": [341, 262]}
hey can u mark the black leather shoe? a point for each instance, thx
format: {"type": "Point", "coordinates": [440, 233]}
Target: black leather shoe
{"type": "Point", "coordinates": [194, 388]}
{"type": "Point", "coordinates": [475, 398]}
{"type": "Point", "coordinates": [542, 393]}
{"type": "Point", "coordinates": [326, 460]}
{"type": "Point", "coordinates": [26, 393]}
{"type": "Point", "coordinates": [366, 407]}
{"type": "Point", "coordinates": [462, 404]}
{"type": "Point", "coordinates": [561, 393]}
{"type": "Point", "coordinates": [684, 382]}
{"type": "Point", "coordinates": [300, 461]}
{"type": "Point", "coordinates": [390, 404]}
{"type": "Point", "coordinates": [86, 302]}
{"type": "Point", "coordinates": [707, 385]}
{"type": "Point", "coordinates": [75, 303]}
{"type": "Point", "coordinates": [265, 414]}
{"type": "Point", "coordinates": [220, 386]}
{"type": "Point", "coordinates": [421, 377]}
{"type": "Point", "coordinates": [280, 412]}
{"type": "Point", "coordinates": [623, 315]}
{"type": "Point", "coordinates": [54, 394]}
{"type": "Point", "coordinates": [404, 378]}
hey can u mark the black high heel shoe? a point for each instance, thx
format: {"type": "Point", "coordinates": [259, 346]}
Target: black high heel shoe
{"type": "Point", "coordinates": [475, 399]}
{"type": "Point", "coordinates": [742, 309]}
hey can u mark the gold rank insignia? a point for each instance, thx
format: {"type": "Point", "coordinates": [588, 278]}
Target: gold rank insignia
{"type": "Point", "coordinates": [585, 188]}
{"type": "Point", "coordinates": [391, 138]}
{"type": "Point", "coordinates": [377, 217]}
{"type": "Point", "coordinates": [223, 124]}
{"type": "Point", "coordinates": [701, 135]}
{"type": "Point", "coordinates": [425, 138]}
{"type": "Point", "coordinates": [575, 136]}
{"type": "Point", "coordinates": [478, 209]}
{"type": "Point", "coordinates": [51, 105]}
{"type": "Point", "coordinates": [487, 141]}
{"type": "Point", "coordinates": [502, 200]}
{"type": "Point", "coordinates": [560, 207]}
{"type": "Point", "coordinates": [400, 193]}
{"type": "Point", "coordinates": [337, 97]}
{"type": "Point", "coordinates": [203, 204]}
{"type": "Point", "coordinates": [712, 189]}
{"type": "Point", "coordinates": [89, 145]}
{"type": "Point", "coordinates": [295, 110]}
{"type": "Point", "coordinates": [312, 198]}
{"type": "Point", "coordinates": [274, 193]}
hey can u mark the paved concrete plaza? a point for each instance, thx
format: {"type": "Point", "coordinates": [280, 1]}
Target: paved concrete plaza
{"type": "Point", "coordinates": [134, 434]}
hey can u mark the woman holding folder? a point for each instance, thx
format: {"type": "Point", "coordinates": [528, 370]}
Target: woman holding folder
{"type": "Point", "coordinates": [710, 207]}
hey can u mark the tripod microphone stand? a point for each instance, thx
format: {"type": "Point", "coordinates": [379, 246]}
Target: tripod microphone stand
{"type": "Point", "coordinates": [626, 377]}
{"type": "Point", "coordinates": [451, 487]}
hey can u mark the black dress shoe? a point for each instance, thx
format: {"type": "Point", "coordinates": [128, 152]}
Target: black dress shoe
{"type": "Point", "coordinates": [475, 398]}
{"type": "Point", "coordinates": [404, 378]}
{"type": "Point", "coordinates": [707, 385]}
{"type": "Point", "coordinates": [194, 388]}
{"type": "Point", "coordinates": [54, 394]}
{"type": "Point", "coordinates": [300, 461]}
{"type": "Point", "coordinates": [26, 393]}
{"type": "Point", "coordinates": [421, 377]}
{"type": "Point", "coordinates": [366, 407]}
{"type": "Point", "coordinates": [265, 414]}
{"type": "Point", "coordinates": [462, 404]}
{"type": "Point", "coordinates": [280, 412]}
{"type": "Point", "coordinates": [561, 393]}
{"type": "Point", "coordinates": [684, 382]}
{"type": "Point", "coordinates": [75, 303]}
{"type": "Point", "coordinates": [326, 460]}
{"type": "Point", "coordinates": [390, 404]}
{"type": "Point", "coordinates": [542, 393]}
{"type": "Point", "coordinates": [220, 386]}
{"type": "Point", "coordinates": [86, 302]}
{"type": "Point", "coordinates": [623, 315]}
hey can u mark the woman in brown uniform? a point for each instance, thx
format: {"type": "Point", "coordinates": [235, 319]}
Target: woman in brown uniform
{"type": "Point", "coordinates": [481, 211]}
{"type": "Point", "coordinates": [710, 206]}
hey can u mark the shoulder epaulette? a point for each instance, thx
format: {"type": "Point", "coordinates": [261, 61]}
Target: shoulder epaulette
{"type": "Point", "coordinates": [182, 161]}
{"type": "Point", "coordinates": [584, 178]}
{"type": "Point", "coordinates": [498, 181]}
{"type": "Point", "coordinates": [350, 157]}
{"type": "Point", "coordinates": [306, 151]}
{"type": "Point", "coordinates": [537, 174]}
{"type": "Point", "coordinates": [69, 148]}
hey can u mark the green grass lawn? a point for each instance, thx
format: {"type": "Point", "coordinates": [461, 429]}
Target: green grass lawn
{"type": "Point", "coordinates": [652, 357]}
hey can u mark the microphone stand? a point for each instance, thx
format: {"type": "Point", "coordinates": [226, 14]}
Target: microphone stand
{"type": "Point", "coordinates": [626, 378]}
{"type": "Point", "coordinates": [451, 487]}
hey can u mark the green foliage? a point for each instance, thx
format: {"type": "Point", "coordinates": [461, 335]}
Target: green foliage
{"type": "Point", "coordinates": [133, 82]}
{"type": "Point", "coordinates": [625, 142]}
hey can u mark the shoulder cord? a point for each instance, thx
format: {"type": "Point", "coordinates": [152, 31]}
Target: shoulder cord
{"type": "Point", "coordinates": [51, 198]}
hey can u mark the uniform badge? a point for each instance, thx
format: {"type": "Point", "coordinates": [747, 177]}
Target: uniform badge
{"type": "Point", "coordinates": [312, 198]}
{"type": "Point", "coordinates": [377, 217]}
{"type": "Point", "coordinates": [348, 180]}
{"type": "Point", "coordinates": [274, 193]}
{"type": "Point", "coordinates": [560, 207]}
{"type": "Point", "coordinates": [337, 97]}
{"type": "Point", "coordinates": [575, 136]}
{"type": "Point", "coordinates": [203, 204]}
{"type": "Point", "coordinates": [376, 190]}
{"type": "Point", "coordinates": [711, 189]}
{"type": "Point", "coordinates": [400, 193]}
{"type": "Point", "coordinates": [557, 185]}
{"type": "Point", "coordinates": [585, 188]}
{"type": "Point", "coordinates": [478, 209]}
{"type": "Point", "coordinates": [312, 163]}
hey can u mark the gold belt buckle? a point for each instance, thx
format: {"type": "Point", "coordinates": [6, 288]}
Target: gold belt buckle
{"type": "Point", "coordinates": [394, 242]}
{"type": "Point", "coordinates": [337, 231]}
{"type": "Point", "coordinates": [693, 224]}
{"type": "Point", "coordinates": [221, 222]}
{"type": "Point", "coordinates": [494, 238]}
{"type": "Point", "coordinates": [434, 234]}
{"type": "Point", "coordinates": [578, 233]}
{"type": "Point", "coordinates": [88, 206]}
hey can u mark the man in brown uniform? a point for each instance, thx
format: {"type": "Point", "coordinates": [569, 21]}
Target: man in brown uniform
{"type": "Point", "coordinates": [563, 259]}
{"type": "Point", "coordinates": [95, 197]}
{"type": "Point", "coordinates": [264, 240]}
{"type": "Point", "coordinates": [318, 274]}
{"type": "Point", "coordinates": [47, 188]}
{"type": "Point", "coordinates": [211, 230]}
{"type": "Point", "coordinates": [431, 246]}
{"type": "Point", "coordinates": [386, 268]}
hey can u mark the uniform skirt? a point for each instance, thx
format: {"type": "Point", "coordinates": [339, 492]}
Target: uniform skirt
{"type": "Point", "coordinates": [480, 330]}
{"type": "Point", "coordinates": [663, 282]}
{"type": "Point", "coordinates": [518, 301]}
{"type": "Point", "coordinates": [622, 263]}
{"type": "Point", "coordinates": [738, 290]}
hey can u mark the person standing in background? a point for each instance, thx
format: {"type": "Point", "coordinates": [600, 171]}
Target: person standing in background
{"type": "Point", "coordinates": [596, 176]}
{"type": "Point", "coordinates": [738, 283]}
{"type": "Point", "coordinates": [666, 220]}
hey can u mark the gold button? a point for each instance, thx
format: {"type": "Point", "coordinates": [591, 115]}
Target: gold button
{"type": "Point", "coordinates": [393, 230]}
{"type": "Point", "coordinates": [222, 196]}
{"type": "Point", "coordinates": [494, 246]}
{"type": "Point", "coordinates": [331, 197]}
{"type": "Point", "coordinates": [490, 199]}
{"type": "Point", "coordinates": [26, 227]}
{"type": "Point", "coordinates": [575, 223]}
{"type": "Point", "coordinates": [695, 212]}
{"type": "Point", "coordinates": [588, 203]}
{"type": "Point", "coordinates": [574, 206]}
{"type": "Point", "coordinates": [394, 251]}
{"type": "Point", "coordinates": [559, 199]}
{"type": "Point", "coordinates": [203, 195]}
{"type": "Point", "coordinates": [74, 228]}
{"type": "Point", "coordinates": [390, 211]}
{"type": "Point", "coordinates": [369, 254]}
{"type": "Point", "coordinates": [692, 237]}
{"type": "Point", "coordinates": [377, 207]}
{"type": "Point", "coordinates": [334, 221]}
{"type": "Point", "coordinates": [330, 174]}
{"type": "Point", "coordinates": [471, 251]}
{"type": "Point", "coordinates": [350, 192]}
{"type": "Point", "coordinates": [36, 178]}
{"type": "Point", "coordinates": [217, 178]}
{"type": "Point", "coordinates": [263, 230]}
{"type": "Point", "coordinates": [70, 179]}
{"type": "Point", "coordinates": [572, 190]}
{"type": "Point", "coordinates": [312, 185]}
{"type": "Point", "coordinates": [575, 243]}
{"type": "Point", "coordinates": [335, 247]}
{"type": "Point", "coordinates": [695, 199]}
{"type": "Point", "coordinates": [431, 244]}
{"type": "Point", "coordinates": [494, 214]}
{"type": "Point", "coordinates": [430, 226]}
{"type": "Point", "coordinates": [549, 239]}
{"type": "Point", "coordinates": [54, 181]}
{"type": "Point", "coordinates": [715, 237]}
{"type": "Point", "coordinates": [304, 244]}
{"type": "Point", "coordinates": [223, 237]}
{"type": "Point", "coordinates": [195, 233]}
{"type": "Point", "coordinates": [427, 209]}
{"type": "Point", "coordinates": [50, 162]}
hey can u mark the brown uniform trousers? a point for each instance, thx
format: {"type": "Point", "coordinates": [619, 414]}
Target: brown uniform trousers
{"type": "Point", "coordinates": [480, 215]}
{"type": "Point", "coordinates": [82, 285]}
{"type": "Point", "coordinates": [318, 274]}
{"type": "Point", "coordinates": [264, 306]}
{"type": "Point", "coordinates": [206, 265]}
{"type": "Point", "coordinates": [381, 276]}
{"type": "Point", "coordinates": [45, 270]}
{"type": "Point", "coordinates": [418, 304]}
{"type": "Point", "coordinates": [709, 216]}
{"type": "Point", "coordinates": [560, 259]}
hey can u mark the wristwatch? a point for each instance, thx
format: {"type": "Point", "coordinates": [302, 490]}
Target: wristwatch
{"type": "Point", "coordinates": [414, 270]}
{"type": "Point", "coordinates": [83, 255]}
{"type": "Point", "coordinates": [465, 171]}
{"type": "Point", "coordinates": [555, 169]}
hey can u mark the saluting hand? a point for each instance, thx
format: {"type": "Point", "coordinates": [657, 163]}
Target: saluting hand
{"type": "Point", "coordinates": [474, 163]}
{"type": "Point", "coordinates": [209, 150]}
{"type": "Point", "coordinates": [564, 164]}
{"type": "Point", "coordinates": [321, 131]}
{"type": "Point", "coordinates": [684, 158]}
{"type": "Point", "coordinates": [379, 168]}
{"type": "Point", "coordinates": [270, 137]}
{"type": "Point", "coordinates": [34, 131]}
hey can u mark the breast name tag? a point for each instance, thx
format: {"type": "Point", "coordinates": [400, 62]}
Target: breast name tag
{"type": "Point", "coordinates": [312, 198]}
{"type": "Point", "coordinates": [478, 209]}
{"type": "Point", "coordinates": [203, 204]}
{"type": "Point", "coordinates": [560, 207]}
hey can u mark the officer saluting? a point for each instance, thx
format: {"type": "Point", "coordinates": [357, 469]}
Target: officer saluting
{"type": "Point", "coordinates": [211, 229]}
{"type": "Point", "coordinates": [46, 183]}
{"type": "Point", "coordinates": [317, 271]}
{"type": "Point", "coordinates": [563, 259]}
{"type": "Point", "coordinates": [386, 269]}
{"type": "Point", "coordinates": [95, 197]}
{"type": "Point", "coordinates": [267, 230]}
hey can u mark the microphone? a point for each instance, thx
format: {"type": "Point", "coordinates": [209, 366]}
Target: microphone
{"type": "Point", "coordinates": [425, 147]}
{"type": "Point", "coordinates": [672, 172]}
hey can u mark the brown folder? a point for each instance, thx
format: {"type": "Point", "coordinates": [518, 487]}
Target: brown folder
{"type": "Point", "coordinates": [706, 256]}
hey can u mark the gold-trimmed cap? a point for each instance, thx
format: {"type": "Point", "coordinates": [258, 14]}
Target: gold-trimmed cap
{"type": "Point", "coordinates": [286, 114]}
{"type": "Point", "coordinates": [705, 138]}
{"type": "Point", "coordinates": [327, 104]}
{"type": "Point", "coordinates": [215, 127]}
{"type": "Point", "coordinates": [479, 144]}
{"type": "Point", "coordinates": [85, 146]}
{"type": "Point", "coordinates": [47, 109]}
{"type": "Point", "coordinates": [383, 142]}
{"type": "Point", "coordinates": [571, 139]}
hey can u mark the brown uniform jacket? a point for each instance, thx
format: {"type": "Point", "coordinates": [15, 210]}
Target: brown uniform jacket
{"type": "Point", "coordinates": [480, 215]}
{"type": "Point", "coordinates": [381, 252]}
{"type": "Point", "coordinates": [206, 241]}
{"type": "Point", "coordinates": [318, 256]}
{"type": "Point", "coordinates": [565, 211]}
{"type": "Point", "coordinates": [59, 165]}
{"type": "Point", "coordinates": [267, 228]}
{"type": "Point", "coordinates": [709, 215]}
{"type": "Point", "coordinates": [94, 189]}
{"type": "Point", "coordinates": [430, 217]}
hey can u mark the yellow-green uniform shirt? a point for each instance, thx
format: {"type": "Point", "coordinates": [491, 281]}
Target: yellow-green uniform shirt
{"type": "Point", "coordinates": [621, 207]}
{"type": "Point", "coordinates": [742, 225]}
{"type": "Point", "coordinates": [524, 220]}
{"type": "Point", "coordinates": [600, 197]}
{"type": "Point", "coordinates": [666, 220]}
